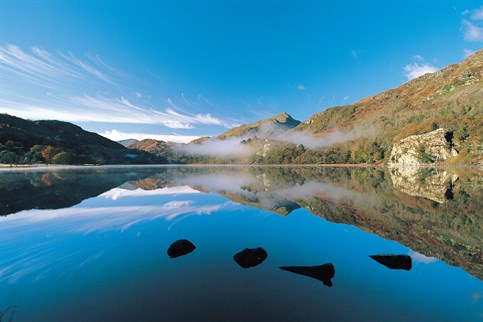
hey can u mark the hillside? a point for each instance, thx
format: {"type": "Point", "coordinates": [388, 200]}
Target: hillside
{"type": "Point", "coordinates": [445, 106]}
{"type": "Point", "coordinates": [451, 98]}
{"type": "Point", "coordinates": [25, 142]}
{"type": "Point", "coordinates": [265, 128]}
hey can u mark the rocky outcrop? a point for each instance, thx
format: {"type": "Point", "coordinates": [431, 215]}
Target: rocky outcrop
{"type": "Point", "coordinates": [180, 248]}
{"type": "Point", "coordinates": [250, 257]}
{"type": "Point", "coordinates": [428, 148]}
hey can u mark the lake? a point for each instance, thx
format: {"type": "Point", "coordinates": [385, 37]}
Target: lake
{"type": "Point", "coordinates": [90, 244]}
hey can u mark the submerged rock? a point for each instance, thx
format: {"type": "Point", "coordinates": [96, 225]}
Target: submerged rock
{"type": "Point", "coordinates": [180, 247]}
{"type": "Point", "coordinates": [250, 257]}
{"type": "Point", "coordinates": [323, 273]}
{"type": "Point", "coordinates": [394, 261]}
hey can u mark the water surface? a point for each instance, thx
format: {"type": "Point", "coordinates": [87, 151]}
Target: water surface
{"type": "Point", "coordinates": [91, 244]}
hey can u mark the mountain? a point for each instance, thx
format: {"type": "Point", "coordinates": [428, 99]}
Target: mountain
{"type": "Point", "coordinates": [433, 119]}
{"type": "Point", "coordinates": [25, 141]}
{"type": "Point", "coordinates": [265, 128]}
{"type": "Point", "coordinates": [449, 99]}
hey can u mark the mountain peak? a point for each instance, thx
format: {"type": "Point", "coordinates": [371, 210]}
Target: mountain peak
{"type": "Point", "coordinates": [277, 123]}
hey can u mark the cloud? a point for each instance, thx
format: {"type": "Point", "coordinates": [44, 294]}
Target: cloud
{"type": "Point", "coordinates": [471, 31]}
{"type": "Point", "coordinates": [418, 68]}
{"type": "Point", "coordinates": [472, 27]}
{"type": "Point", "coordinates": [475, 14]}
{"type": "Point", "coordinates": [301, 87]}
{"type": "Point", "coordinates": [116, 135]}
{"type": "Point", "coordinates": [37, 84]}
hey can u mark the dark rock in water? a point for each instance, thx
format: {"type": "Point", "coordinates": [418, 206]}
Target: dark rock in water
{"type": "Point", "coordinates": [180, 247]}
{"type": "Point", "coordinates": [323, 273]}
{"type": "Point", "coordinates": [250, 257]}
{"type": "Point", "coordinates": [394, 261]}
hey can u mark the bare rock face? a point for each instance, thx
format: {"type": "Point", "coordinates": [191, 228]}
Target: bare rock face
{"type": "Point", "coordinates": [417, 150]}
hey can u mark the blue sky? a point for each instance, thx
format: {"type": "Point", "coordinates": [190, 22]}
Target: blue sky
{"type": "Point", "coordinates": [183, 69]}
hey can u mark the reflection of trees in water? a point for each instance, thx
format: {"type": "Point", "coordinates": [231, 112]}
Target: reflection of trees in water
{"type": "Point", "coordinates": [362, 197]}
{"type": "Point", "coordinates": [25, 190]}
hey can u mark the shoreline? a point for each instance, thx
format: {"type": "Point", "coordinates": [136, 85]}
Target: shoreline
{"type": "Point", "coordinates": [19, 167]}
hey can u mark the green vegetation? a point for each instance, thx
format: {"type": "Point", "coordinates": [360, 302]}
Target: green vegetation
{"type": "Point", "coordinates": [28, 142]}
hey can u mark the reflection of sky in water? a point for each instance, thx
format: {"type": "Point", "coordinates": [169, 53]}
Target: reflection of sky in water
{"type": "Point", "coordinates": [105, 259]}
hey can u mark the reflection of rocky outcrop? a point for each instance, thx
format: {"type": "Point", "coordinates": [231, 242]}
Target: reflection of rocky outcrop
{"type": "Point", "coordinates": [323, 273]}
{"type": "Point", "coordinates": [416, 150]}
{"type": "Point", "coordinates": [23, 190]}
{"type": "Point", "coordinates": [180, 247]}
{"type": "Point", "coordinates": [362, 197]}
{"type": "Point", "coordinates": [428, 183]}
{"type": "Point", "coordinates": [394, 261]}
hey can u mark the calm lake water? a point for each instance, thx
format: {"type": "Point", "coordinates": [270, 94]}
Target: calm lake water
{"type": "Point", "coordinates": [91, 244]}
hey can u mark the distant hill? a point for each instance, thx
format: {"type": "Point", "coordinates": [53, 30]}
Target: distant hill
{"type": "Point", "coordinates": [25, 141]}
{"type": "Point", "coordinates": [151, 145]}
{"type": "Point", "coordinates": [127, 142]}
{"type": "Point", "coordinates": [265, 128]}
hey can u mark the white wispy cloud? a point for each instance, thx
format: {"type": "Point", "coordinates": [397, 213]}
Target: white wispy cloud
{"type": "Point", "coordinates": [37, 84]}
{"type": "Point", "coordinates": [418, 68]}
{"type": "Point", "coordinates": [472, 27]}
{"type": "Point", "coordinates": [116, 135]}
{"type": "Point", "coordinates": [474, 14]}
{"type": "Point", "coordinates": [471, 31]}
{"type": "Point", "coordinates": [301, 87]}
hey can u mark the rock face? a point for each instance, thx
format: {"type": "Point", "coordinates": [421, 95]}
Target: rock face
{"type": "Point", "coordinates": [250, 257]}
{"type": "Point", "coordinates": [394, 261]}
{"type": "Point", "coordinates": [323, 273]}
{"type": "Point", "coordinates": [417, 150]}
{"type": "Point", "coordinates": [180, 247]}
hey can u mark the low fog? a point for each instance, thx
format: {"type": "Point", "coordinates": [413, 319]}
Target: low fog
{"type": "Point", "coordinates": [233, 147]}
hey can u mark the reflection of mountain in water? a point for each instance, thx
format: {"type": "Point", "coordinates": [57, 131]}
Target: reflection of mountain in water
{"type": "Point", "coordinates": [24, 190]}
{"type": "Point", "coordinates": [448, 228]}
{"type": "Point", "coordinates": [431, 221]}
